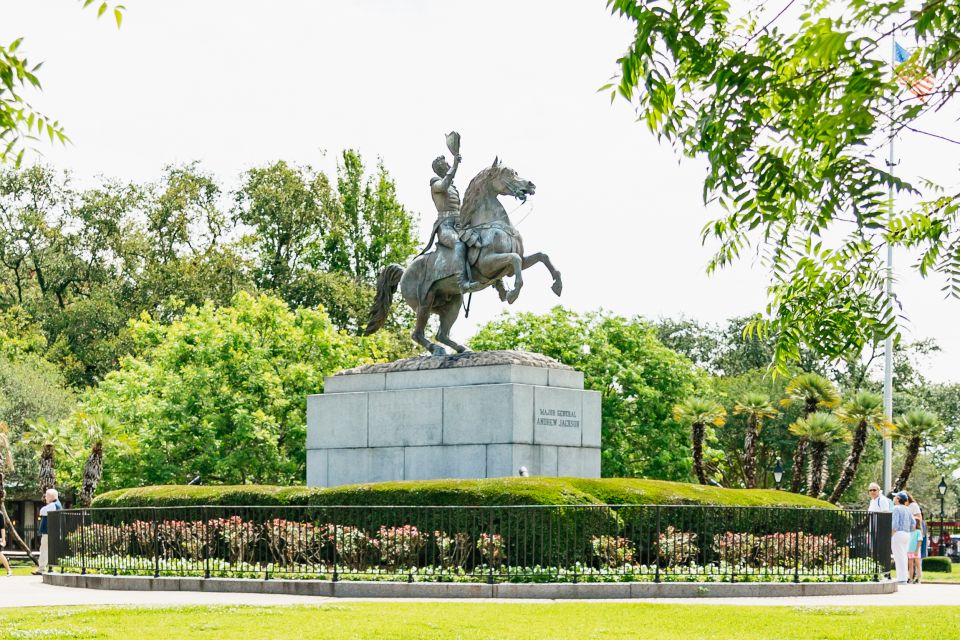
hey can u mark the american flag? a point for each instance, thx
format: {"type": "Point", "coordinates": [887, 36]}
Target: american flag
{"type": "Point", "coordinates": [913, 77]}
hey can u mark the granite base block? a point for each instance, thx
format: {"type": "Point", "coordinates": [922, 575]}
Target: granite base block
{"type": "Point", "coordinates": [467, 422]}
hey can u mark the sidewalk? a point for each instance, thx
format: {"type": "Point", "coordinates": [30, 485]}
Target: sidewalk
{"type": "Point", "coordinates": [29, 591]}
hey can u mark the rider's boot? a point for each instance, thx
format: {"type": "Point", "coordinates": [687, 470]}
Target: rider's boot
{"type": "Point", "coordinates": [467, 284]}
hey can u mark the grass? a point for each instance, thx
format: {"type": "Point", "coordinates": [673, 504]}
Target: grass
{"type": "Point", "coordinates": [19, 569]}
{"type": "Point", "coordinates": [466, 621]}
{"type": "Point", "coordinates": [936, 576]}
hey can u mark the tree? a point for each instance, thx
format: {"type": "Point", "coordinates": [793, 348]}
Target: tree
{"type": "Point", "coordinates": [865, 411]}
{"type": "Point", "coordinates": [812, 392]}
{"type": "Point", "coordinates": [371, 227]}
{"type": "Point", "coordinates": [6, 464]}
{"type": "Point", "coordinates": [698, 413]}
{"type": "Point", "coordinates": [791, 120]}
{"type": "Point", "coordinates": [820, 430]}
{"type": "Point", "coordinates": [48, 439]}
{"type": "Point", "coordinates": [31, 390]}
{"type": "Point", "coordinates": [639, 379]}
{"type": "Point", "coordinates": [757, 407]}
{"type": "Point", "coordinates": [221, 392]}
{"type": "Point", "coordinates": [18, 120]}
{"type": "Point", "coordinates": [283, 207]}
{"type": "Point", "coordinates": [315, 244]}
{"type": "Point", "coordinates": [80, 264]}
{"type": "Point", "coordinates": [914, 428]}
{"type": "Point", "coordinates": [99, 428]}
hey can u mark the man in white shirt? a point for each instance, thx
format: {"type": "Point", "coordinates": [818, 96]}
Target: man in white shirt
{"type": "Point", "coordinates": [52, 499]}
{"type": "Point", "coordinates": [878, 501]}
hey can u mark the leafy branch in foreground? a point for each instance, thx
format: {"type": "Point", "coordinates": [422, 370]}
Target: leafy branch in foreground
{"type": "Point", "coordinates": [20, 123]}
{"type": "Point", "coordinates": [792, 122]}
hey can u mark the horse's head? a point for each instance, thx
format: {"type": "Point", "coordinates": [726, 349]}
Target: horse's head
{"type": "Point", "coordinates": [506, 182]}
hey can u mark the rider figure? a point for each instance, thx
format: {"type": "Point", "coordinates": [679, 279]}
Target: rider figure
{"type": "Point", "coordinates": [447, 200]}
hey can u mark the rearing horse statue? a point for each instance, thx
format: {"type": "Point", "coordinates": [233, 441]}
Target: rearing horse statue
{"type": "Point", "coordinates": [431, 284]}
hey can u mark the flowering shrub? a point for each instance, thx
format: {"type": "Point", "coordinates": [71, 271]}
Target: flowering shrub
{"type": "Point", "coordinates": [677, 547]}
{"type": "Point", "coordinates": [612, 551]}
{"type": "Point", "coordinates": [236, 536]}
{"type": "Point", "coordinates": [786, 549]}
{"type": "Point", "coordinates": [736, 548]}
{"type": "Point", "coordinates": [99, 539]}
{"type": "Point", "coordinates": [400, 545]}
{"type": "Point", "coordinates": [141, 537]}
{"type": "Point", "coordinates": [453, 551]}
{"type": "Point", "coordinates": [182, 539]}
{"type": "Point", "coordinates": [820, 551]}
{"type": "Point", "coordinates": [290, 541]}
{"type": "Point", "coordinates": [492, 548]}
{"type": "Point", "coordinates": [351, 544]}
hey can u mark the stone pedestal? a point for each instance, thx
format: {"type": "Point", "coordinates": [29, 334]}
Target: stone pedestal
{"type": "Point", "coordinates": [481, 415]}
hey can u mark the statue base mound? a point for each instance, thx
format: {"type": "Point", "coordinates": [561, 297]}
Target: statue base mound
{"type": "Point", "coordinates": [472, 415]}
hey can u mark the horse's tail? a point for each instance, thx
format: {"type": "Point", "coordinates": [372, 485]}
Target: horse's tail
{"type": "Point", "coordinates": [387, 283]}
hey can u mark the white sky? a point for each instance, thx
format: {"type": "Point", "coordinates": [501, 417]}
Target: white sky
{"type": "Point", "coordinates": [240, 84]}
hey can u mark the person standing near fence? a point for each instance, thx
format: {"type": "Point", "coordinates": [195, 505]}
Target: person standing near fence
{"type": "Point", "coordinates": [52, 499]}
{"type": "Point", "coordinates": [914, 558]}
{"type": "Point", "coordinates": [903, 525]}
{"type": "Point", "coordinates": [878, 504]}
{"type": "Point", "coordinates": [920, 533]}
{"type": "Point", "coordinates": [878, 501]}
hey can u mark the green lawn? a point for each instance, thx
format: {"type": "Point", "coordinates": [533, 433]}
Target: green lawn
{"type": "Point", "coordinates": [386, 620]}
{"type": "Point", "coordinates": [19, 570]}
{"type": "Point", "coordinates": [936, 576]}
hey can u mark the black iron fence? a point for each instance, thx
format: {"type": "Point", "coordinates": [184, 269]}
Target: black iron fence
{"type": "Point", "coordinates": [463, 543]}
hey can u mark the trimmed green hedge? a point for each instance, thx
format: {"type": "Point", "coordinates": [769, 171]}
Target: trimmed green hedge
{"type": "Point", "coordinates": [554, 537]}
{"type": "Point", "coordinates": [938, 564]}
{"type": "Point", "coordinates": [494, 491]}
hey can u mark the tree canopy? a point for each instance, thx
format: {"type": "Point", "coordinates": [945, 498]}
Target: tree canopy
{"type": "Point", "coordinates": [80, 263]}
{"type": "Point", "coordinates": [221, 392]}
{"type": "Point", "coordinates": [640, 381]}
{"type": "Point", "coordinates": [791, 116]}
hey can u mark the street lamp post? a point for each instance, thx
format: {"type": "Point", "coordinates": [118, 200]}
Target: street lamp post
{"type": "Point", "coordinates": [942, 488]}
{"type": "Point", "coordinates": [778, 473]}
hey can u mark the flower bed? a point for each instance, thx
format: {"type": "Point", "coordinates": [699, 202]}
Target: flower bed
{"type": "Point", "coordinates": [283, 548]}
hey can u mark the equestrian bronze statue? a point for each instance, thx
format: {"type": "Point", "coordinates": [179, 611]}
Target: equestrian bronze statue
{"type": "Point", "coordinates": [477, 246]}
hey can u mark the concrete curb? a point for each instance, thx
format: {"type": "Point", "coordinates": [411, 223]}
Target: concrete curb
{"type": "Point", "coordinates": [555, 591]}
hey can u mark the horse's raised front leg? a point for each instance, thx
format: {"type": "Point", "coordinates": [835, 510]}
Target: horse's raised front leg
{"type": "Point", "coordinates": [494, 265]}
{"type": "Point", "coordinates": [534, 258]}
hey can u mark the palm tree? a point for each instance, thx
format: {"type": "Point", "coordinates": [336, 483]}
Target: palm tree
{"type": "Point", "coordinates": [915, 427]}
{"type": "Point", "coordinates": [756, 406]}
{"type": "Point", "coordinates": [864, 410]}
{"type": "Point", "coordinates": [49, 437]}
{"type": "Point", "coordinates": [813, 392]}
{"type": "Point", "coordinates": [6, 464]}
{"type": "Point", "coordinates": [698, 413]}
{"type": "Point", "coordinates": [820, 430]}
{"type": "Point", "coordinates": [98, 426]}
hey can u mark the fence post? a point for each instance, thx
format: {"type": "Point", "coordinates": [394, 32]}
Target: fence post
{"type": "Point", "coordinates": [83, 543]}
{"type": "Point", "coordinates": [206, 541]}
{"type": "Point", "coordinates": [656, 546]}
{"type": "Point", "coordinates": [490, 553]}
{"type": "Point", "coordinates": [796, 548]}
{"type": "Point", "coordinates": [156, 543]}
{"type": "Point", "coordinates": [336, 528]}
{"type": "Point", "coordinates": [569, 550]}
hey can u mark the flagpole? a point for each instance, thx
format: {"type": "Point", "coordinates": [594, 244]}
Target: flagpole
{"type": "Point", "coordinates": [888, 344]}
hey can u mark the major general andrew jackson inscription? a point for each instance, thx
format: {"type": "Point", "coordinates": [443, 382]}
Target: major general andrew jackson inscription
{"type": "Point", "coordinates": [558, 418]}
